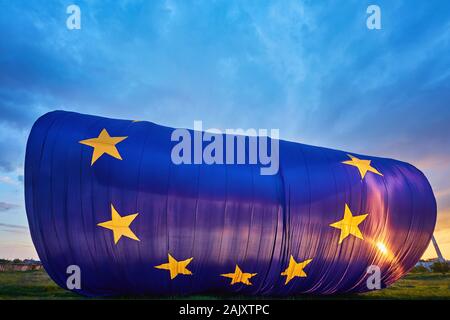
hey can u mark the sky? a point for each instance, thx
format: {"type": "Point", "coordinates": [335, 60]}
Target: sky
{"type": "Point", "coordinates": [310, 68]}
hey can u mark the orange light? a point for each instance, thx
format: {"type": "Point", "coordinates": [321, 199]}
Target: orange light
{"type": "Point", "coordinates": [382, 248]}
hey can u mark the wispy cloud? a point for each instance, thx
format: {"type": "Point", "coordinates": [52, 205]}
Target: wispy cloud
{"type": "Point", "coordinates": [14, 228]}
{"type": "Point", "coordinates": [5, 206]}
{"type": "Point", "coordinates": [8, 180]}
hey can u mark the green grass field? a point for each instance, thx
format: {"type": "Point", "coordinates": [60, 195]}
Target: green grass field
{"type": "Point", "coordinates": [37, 285]}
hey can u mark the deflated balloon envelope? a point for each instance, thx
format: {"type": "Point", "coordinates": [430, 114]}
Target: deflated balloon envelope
{"type": "Point", "coordinates": [104, 195]}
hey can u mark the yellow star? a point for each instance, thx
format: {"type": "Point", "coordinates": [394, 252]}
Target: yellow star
{"type": "Point", "coordinates": [362, 165]}
{"type": "Point", "coordinates": [104, 143]}
{"type": "Point", "coordinates": [349, 224]}
{"type": "Point", "coordinates": [176, 267]}
{"type": "Point", "coordinates": [239, 276]}
{"type": "Point", "coordinates": [295, 269]}
{"type": "Point", "coordinates": [120, 225]}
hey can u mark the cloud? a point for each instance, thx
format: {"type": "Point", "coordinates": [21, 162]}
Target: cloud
{"type": "Point", "coordinates": [443, 220]}
{"type": "Point", "coordinates": [14, 228]}
{"type": "Point", "coordinates": [5, 206]}
{"type": "Point", "coordinates": [8, 180]}
{"type": "Point", "coordinates": [12, 146]}
{"type": "Point", "coordinates": [9, 159]}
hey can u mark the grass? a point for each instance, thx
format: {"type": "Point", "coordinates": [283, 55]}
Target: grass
{"type": "Point", "coordinates": [416, 286]}
{"type": "Point", "coordinates": [31, 285]}
{"type": "Point", "coordinates": [37, 285]}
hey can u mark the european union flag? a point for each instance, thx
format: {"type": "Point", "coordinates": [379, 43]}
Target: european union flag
{"type": "Point", "coordinates": [105, 195]}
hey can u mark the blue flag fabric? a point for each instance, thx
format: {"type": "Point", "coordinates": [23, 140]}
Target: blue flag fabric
{"type": "Point", "coordinates": [105, 195]}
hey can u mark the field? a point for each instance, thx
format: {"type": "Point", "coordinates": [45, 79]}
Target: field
{"type": "Point", "coordinates": [37, 285]}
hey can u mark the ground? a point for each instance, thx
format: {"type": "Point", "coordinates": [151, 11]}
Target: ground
{"type": "Point", "coordinates": [37, 285]}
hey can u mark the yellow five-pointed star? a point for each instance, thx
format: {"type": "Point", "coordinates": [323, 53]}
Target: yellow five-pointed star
{"type": "Point", "coordinates": [349, 225]}
{"type": "Point", "coordinates": [176, 267]}
{"type": "Point", "coordinates": [104, 143]}
{"type": "Point", "coordinates": [295, 269]}
{"type": "Point", "coordinates": [120, 226]}
{"type": "Point", "coordinates": [239, 276]}
{"type": "Point", "coordinates": [362, 165]}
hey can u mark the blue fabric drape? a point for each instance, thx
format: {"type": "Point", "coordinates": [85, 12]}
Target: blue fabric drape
{"type": "Point", "coordinates": [218, 215]}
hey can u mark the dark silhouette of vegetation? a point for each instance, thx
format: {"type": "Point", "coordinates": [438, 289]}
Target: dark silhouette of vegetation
{"type": "Point", "coordinates": [419, 269]}
{"type": "Point", "coordinates": [440, 267]}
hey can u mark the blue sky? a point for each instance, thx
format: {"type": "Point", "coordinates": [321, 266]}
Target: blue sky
{"type": "Point", "coordinates": [310, 68]}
